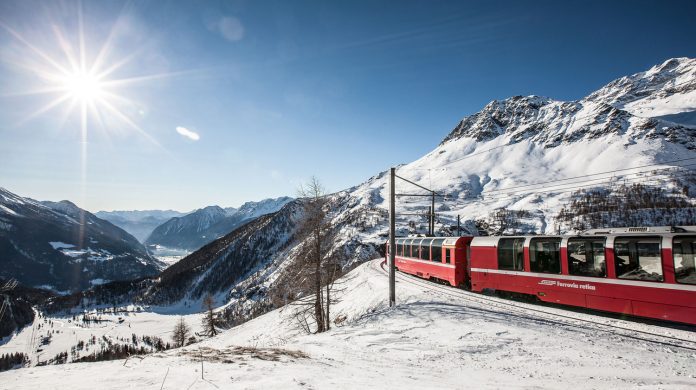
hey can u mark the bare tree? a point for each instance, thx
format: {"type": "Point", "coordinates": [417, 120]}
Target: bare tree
{"type": "Point", "coordinates": [309, 280]}
{"type": "Point", "coordinates": [312, 226]}
{"type": "Point", "coordinates": [209, 317]}
{"type": "Point", "coordinates": [181, 333]}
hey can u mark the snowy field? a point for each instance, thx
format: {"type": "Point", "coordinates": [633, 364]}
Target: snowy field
{"type": "Point", "coordinates": [434, 338]}
{"type": "Point", "coordinates": [168, 256]}
{"type": "Point", "coordinates": [67, 331]}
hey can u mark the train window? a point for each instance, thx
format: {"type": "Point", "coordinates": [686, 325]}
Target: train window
{"type": "Point", "coordinates": [436, 254]}
{"type": "Point", "coordinates": [425, 249]}
{"type": "Point", "coordinates": [447, 255]}
{"type": "Point", "coordinates": [586, 257]}
{"type": "Point", "coordinates": [545, 255]}
{"type": "Point", "coordinates": [415, 249]}
{"type": "Point", "coordinates": [684, 251]}
{"type": "Point", "coordinates": [638, 259]}
{"type": "Point", "coordinates": [511, 254]}
{"type": "Point", "coordinates": [436, 249]}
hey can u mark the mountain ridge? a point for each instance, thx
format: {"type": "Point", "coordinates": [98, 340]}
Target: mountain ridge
{"type": "Point", "coordinates": [202, 226]}
{"type": "Point", "coordinates": [65, 248]}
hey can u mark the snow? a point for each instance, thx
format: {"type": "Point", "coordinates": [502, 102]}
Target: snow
{"type": "Point", "coordinates": [167, 255]}
{"type": "Point", "coordinates": [8, 210]}
{"type": "Point", "coordinates": [75, 252]}
{"type": "Point", "coordinates": [67, 332]}
{"type": "Point", "coordinates": [432, 338]}
{"type": "Point", "coordinates": [98, 281]}
{"type": "Point", "coordinates": [89, 253]}
{"type": "Point", "coordinates": [664, 90]}
{"type": "Point", "coordinates": [60, 245]}
{"type": "Point", "coordinates": [672, 104]}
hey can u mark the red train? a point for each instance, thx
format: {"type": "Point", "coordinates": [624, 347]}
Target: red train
{"type": "Point", "coordinates": [644, 272]}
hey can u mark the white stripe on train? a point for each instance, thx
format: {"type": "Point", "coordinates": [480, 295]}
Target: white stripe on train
{"type": "Point", "coordinates": [667, 286]}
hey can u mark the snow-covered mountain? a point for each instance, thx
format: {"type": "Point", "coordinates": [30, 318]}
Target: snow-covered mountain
{"type": "Point", "coordinates": [666, 91]}
{"type": "Point", "coordinates": [139, 223]}
{"type": "Point", "coordinates": [59, 246]}
{"type": "Point", "coordinates": [194, 230]}
{"type": "Point", "coordinates": [524, 157]}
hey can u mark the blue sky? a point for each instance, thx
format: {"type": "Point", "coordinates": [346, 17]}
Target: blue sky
{"type": "Point", "coordinates": [278, 91]}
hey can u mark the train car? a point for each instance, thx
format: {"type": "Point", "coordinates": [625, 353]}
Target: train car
{"type": "Point", "coordinates": [441, 259]}
{"type": "Point", "coordinates": [645, 272]}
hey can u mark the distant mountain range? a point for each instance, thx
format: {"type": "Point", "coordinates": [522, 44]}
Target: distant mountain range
{"type": "Point", "coordinates": [139, 223]}
{"type": "Point", "coordinates": [194, 230]}
{"type": "Point", "coordinates": [59, 246]}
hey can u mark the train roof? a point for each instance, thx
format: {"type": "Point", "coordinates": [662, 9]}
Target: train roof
{"type": "Point", "coordinates": [493, 240]}
{"type": "Point", "coordinates": [453, 241]}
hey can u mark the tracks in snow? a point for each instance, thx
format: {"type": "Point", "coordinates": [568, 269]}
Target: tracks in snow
{"type": "Point", "coordinates": [548, 316]}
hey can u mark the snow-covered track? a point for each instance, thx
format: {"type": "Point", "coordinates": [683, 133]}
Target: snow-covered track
{"type": "Point", "coordinates": [550, 316]}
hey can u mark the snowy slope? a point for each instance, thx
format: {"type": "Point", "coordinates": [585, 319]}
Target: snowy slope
{"type": "Point", "coordinates": [430, 339]}
{"type": "Point", "coordinates": [667, 90]}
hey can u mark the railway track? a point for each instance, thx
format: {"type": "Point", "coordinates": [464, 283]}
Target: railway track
{"type": "Point", "coordinates": [549, 316]}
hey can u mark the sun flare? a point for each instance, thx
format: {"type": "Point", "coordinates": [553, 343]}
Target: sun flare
{"type": "Point", "coordinates": [83, 87]}
{"type": "Point", "coordinates": [81, 80]}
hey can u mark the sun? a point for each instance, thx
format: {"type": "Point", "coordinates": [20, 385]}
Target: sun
{"type": "Point", "coordinates": [84, 87]}
{"type": "Point", "coordinates": [70, 74]}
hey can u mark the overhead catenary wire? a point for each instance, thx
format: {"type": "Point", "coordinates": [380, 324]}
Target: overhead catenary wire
{"type": "Point", "coordinates": [496, 196]}
{"type": "Point", "coordinates": [610, 172]}
{"type": "Point", "coordinates": [588, 181]}
{"type": "Point", "coordinates": [490, 200]}
{"type": "Point", "coordinates": [585, 185]}
{"type": "Point", "coordinates": [593, 183]}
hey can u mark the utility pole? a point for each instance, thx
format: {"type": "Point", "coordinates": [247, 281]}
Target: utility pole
{"type": "Point", "coordinates": [459, 229]}
{"type": "Point", "coordinates": [392, 226]}
{"type": "Point", "coordinates": [392, 238]}
{"type": "Point", "coordinates": [432, 216]}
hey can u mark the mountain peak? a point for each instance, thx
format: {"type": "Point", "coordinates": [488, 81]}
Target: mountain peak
{"type": "Point", "coordinates": [658, 102]}
{"type": "Point", "coordinates": [665, 91]}
{"type": "Point", "coordinates": [498, 116]}
{"type": "Point", "coordinates": [212, 210]}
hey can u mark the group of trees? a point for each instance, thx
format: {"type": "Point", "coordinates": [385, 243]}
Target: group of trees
{"type": "Point", "coordinates": [107, 349]}
{"type": "Point", "coordinates": [181, 335]}
{"type": "Point", "coordinates": [627, 205]}
{"type": "Point", "coordinates": [503, 221]}
{"type": "Point", "coordinates": [9, 361]}
{"type": "Point", "coordinates": [114, 352]}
